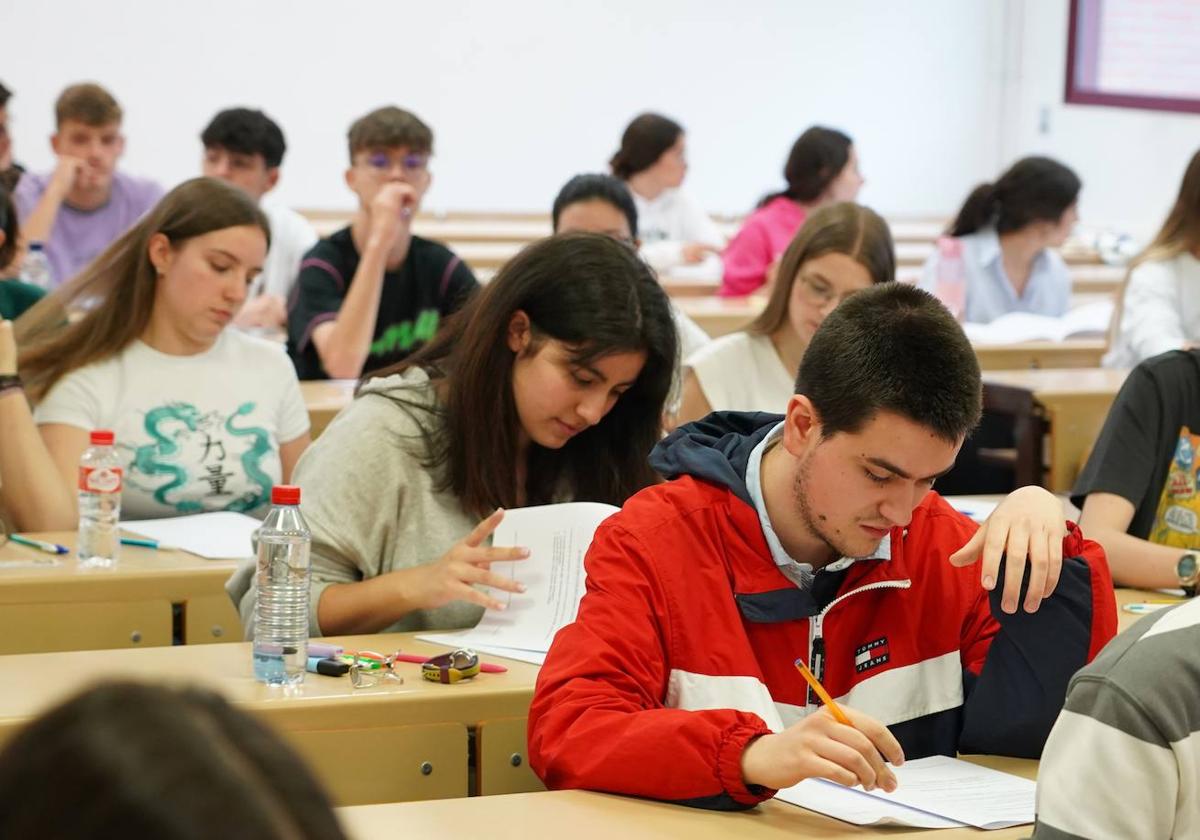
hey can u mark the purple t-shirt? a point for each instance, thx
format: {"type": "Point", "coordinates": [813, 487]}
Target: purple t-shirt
{"type": "Point", "coordinates": [78, 236]}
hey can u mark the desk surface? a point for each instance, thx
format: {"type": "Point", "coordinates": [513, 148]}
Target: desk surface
{"type": "Point", "coordinates": [599, 816]}
{"type": "Point", "coordinates": [1053, 382]}
{"type": "Point", "coordinates": [324, 398]}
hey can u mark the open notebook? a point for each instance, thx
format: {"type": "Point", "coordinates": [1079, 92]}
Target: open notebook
{"type": "Point", "coordinates": [1088, 321]}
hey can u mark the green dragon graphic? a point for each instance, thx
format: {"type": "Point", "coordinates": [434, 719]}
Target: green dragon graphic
{"type": "Point", "coordinates": [146, 458]}
{"type": "Point", "coordinates": [250, 461]}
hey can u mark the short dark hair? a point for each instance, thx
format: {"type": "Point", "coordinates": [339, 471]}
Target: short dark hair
{"type": "Point", "coordinates": [1034, 189]}
{"type": "Point", "coordinates": [8, 223]}
{"type": "Point", "coordinates": [817, 157]}
{"type": "Point", "coordinates": [388, 127]}
{"type": "Point", "coordinates": [131, 760]}
{"type": "Point", "coordinates": [5, 95]}
{"type": "Point", "coordinates": [892, 347]}
{"type": "Point", "coordinates": [246, 131]}
{"type": "Point", "coordinates": [644, 141]}
{"type": "Point", "coordinates": [87, 103]}
{"type": "Point", "coordinates": [594, 186]}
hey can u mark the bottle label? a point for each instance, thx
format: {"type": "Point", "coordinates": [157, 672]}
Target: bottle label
{"type": "Point", "coordinates": [100, 479]}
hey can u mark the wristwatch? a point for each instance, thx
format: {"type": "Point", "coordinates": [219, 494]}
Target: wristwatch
{"type": "Point", "coordinates": [1187, 569]}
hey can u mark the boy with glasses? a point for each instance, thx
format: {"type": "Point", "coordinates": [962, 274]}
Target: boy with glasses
{"type": "Point", "coordinates": [373, 292]}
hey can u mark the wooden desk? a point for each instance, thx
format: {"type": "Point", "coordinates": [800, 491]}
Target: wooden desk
{"type": "Point", "coordinates": [367, 745]}
{"type": "Point", "coordinates": [63, 607]}
{"type": "Point", "coordinates": [584, 815]}
{"type": "Point", "coordinates": [1072, 353]}
{"type": "Point", "coordinates": [719, 316]}
{"type": "Point", "coordinates": [1126, 620]}
{"type": "Point", "coordinates": [324, 398]}
{"type": "Point", "coordinates": [1058, 414]}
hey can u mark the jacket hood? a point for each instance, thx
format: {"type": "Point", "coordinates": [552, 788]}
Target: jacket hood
{"type": "Point", "coordinates": [715, 449]}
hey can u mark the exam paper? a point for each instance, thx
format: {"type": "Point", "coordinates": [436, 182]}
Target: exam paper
{"type": "Point", "coordinates": [959, 792]}
{"type": "Point", "coordinates": [217, 535]}
{"type": "Point", "coordinates": [557, 537]}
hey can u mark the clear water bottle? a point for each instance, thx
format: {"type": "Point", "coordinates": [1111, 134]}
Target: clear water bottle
{"type": "Point", "coordinates": [281, 610]}
{"type": "Point", "coordinates": [100, 475]}
{"type": "Point", "coordinates": [951, 276]}
{"type": "Point", "coordinates": [35, 268]}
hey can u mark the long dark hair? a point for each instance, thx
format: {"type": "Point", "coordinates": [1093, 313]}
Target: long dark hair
{"type": "Point", "coordinates": [594, 295]}
{"type": "Point", "coordinates": [644, 141]}
{"type": "Point", "coordinates": [124, 282]}
{"type": "Point", "coordinates": [816, 158]}
{"type": "Point", "coordinates": [1034, 189]}
{"type": "Point", "coordinates": [132, 760]}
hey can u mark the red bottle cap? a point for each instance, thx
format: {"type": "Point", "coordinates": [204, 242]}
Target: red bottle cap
{"type": "Point", "coordinates": [285, 494]}
{"type": "Point", "coordinates": [102, 437]}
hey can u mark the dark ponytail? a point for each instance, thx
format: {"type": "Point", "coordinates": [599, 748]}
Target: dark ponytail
{"type": "Point", "coordinates": [644, 141]}
{"type": "Point", "coordinates": [817, 157]}
{"type": "Point", "coordinates": [1034, 189]}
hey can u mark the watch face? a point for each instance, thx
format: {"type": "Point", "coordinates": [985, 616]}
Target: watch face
{"type": "Point", "coordinates": [1186, 567]}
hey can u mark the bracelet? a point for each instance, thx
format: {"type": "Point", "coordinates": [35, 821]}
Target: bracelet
{"type": "Point", "coordinates": [9, 382]}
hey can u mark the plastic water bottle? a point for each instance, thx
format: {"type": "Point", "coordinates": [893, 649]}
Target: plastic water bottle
{"type": "Point", "coordinates": [951, 276]}
{"type": "Point", "coordinates": [35, 268]}
{"type": "Point", "coordinates": [100, 475]}
{"type": "Point", "coordinates": [284, 572]}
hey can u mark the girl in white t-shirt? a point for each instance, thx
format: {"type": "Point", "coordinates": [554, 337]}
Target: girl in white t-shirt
{"type": "Point", "coordinates": [677, 234]}
{"type": "Point", "coordinates": [842, 248]}
{"type": "Point", "coordinates": [205, 418]}
{"type": "Point", "coordinates": [1160, 302]}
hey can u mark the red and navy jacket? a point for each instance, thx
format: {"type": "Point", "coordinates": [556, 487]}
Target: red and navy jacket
{"type": "Point", "coordinates": [684, 646]}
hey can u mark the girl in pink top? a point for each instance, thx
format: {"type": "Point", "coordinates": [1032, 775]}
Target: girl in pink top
{"type": "Point", "coordinates": [821, 168]}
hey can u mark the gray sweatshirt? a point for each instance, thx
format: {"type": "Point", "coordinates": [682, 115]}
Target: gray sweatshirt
{"type": "Point", "coordinates": [372, 507]}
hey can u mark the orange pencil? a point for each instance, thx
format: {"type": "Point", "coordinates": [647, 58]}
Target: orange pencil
{"type": "Point", "coordinates": [812, 680]}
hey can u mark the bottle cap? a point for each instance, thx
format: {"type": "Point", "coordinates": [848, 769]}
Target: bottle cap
{"type": "Point", "coordinates": [102, 437]}
{"type": "Point", "coordinates": [285, 494]}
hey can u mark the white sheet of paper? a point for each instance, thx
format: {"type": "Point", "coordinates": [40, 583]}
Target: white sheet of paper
{"type": "Point", "coordinates": [557, 537]}
{"type": "Point", "coordinates": [855, 806]}
{"type": "Point", "coordinates": [962, 791]}
{"type": "Point", "coordinates": [977, 509]}
{"type": "Point", "coordinates": [217, 535]}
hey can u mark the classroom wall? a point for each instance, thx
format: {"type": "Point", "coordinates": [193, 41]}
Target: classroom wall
{"type": "Point", "coordinates": [1131, 161]}
{"type": "Point", "coordinates": [523, 93]}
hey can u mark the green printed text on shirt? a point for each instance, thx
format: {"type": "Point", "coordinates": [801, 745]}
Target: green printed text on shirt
{"type": "Point", "coordinates": [402, 336]}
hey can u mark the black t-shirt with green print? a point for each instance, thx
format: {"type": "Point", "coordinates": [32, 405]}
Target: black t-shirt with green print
{"type": "Point", "coordinates": [430, 284]}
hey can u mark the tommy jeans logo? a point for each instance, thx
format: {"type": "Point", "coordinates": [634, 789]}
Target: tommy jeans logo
{"type": "Point", "coordinates": [871, 655]}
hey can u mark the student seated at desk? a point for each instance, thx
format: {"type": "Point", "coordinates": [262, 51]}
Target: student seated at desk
{"type": "Point", "coordinates": [142, 761]}
{"type": "Point", "coordinates": [1160, 301]}
{"type": "Point", "coordinates": [998, 250]}
{"type": "Point", "coordinates": [245, 148]}
{"type": "Point", "coordinates": [82, 206]}
{"type": "Point", "coordinates": [374, 292]}
{"type": "Point", "coordinates": [549, 386]}
{"type": "Point", "coordinates": [1128, 740]}
{"type": "Point", "coordinates": [1137, 492]}
{"type": "Point", "coordinates": [676, 231]}
{"type": "Point", "coordinates": [206, 418]}
{"type": "Point", "coordinates": [815, 536]}
{"type": "Point", "coordinates": [822, 168]}
{"type": "Point", "coordinates": [15, 296]}
{"type": "Point", "coordinates": [842, 248]}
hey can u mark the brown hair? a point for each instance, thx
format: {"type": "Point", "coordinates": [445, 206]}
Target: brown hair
{"type": "Point", "coordinates": [117, 288]}
{"type": "Point", "coordinates": [130, 760]}
{"type": "Point", "coordinates": [643, 143]}
{"type": "Point", "coordinates": [844, 228]}
{"type": "Point", "coordinates": [388, 127]}
{"type": "Point", "coordinates": [597, 297]}
{"type": "Point", "coordinates": [87, 103]}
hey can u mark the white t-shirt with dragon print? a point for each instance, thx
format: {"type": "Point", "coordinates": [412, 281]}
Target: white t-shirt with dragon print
{"type": "Point", "coordinates": [195, 433]}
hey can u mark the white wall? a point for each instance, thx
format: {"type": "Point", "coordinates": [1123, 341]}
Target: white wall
{"type": "Point", "coordinates": [1131, 161]}
{"type": "Point", "coordinates": [522, 94]}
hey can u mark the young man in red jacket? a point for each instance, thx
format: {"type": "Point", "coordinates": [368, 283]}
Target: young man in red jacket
{"type": "Point", "coordinates": [815, 536]}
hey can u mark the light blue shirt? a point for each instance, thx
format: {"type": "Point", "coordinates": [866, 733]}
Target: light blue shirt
{"type": "Point", "coordinates": [801, 574]}
{"type": "Point", "coordinates": [990, 293]}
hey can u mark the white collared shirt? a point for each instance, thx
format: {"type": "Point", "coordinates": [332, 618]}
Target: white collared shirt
{"type": "Point", "coordinates": [801, 574]}
{"type": "Point", "coordinates": [990, 293]}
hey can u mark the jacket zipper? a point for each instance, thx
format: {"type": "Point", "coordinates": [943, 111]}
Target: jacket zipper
{"type": "Point", "coordinates": [816, 641]}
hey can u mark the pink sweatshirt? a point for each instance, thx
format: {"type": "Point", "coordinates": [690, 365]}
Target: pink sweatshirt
{"type": "Point", "coordinates": [765, 235]}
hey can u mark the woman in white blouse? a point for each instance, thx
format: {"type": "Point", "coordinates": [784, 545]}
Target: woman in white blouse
{"type": "Point", "coordinates": [1160, 304]}
{"type": "Point", "coordinates": [842, 249]}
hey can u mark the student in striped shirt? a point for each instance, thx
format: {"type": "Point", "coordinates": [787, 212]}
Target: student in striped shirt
{"type": "Point", "coordinates": [1123, 760]}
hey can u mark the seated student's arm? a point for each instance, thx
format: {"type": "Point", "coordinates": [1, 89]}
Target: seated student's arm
{"type": "Point", "coordinates": [289, 454]}
{"type": "Point", "coordinates": [66, 445]}
{"type": "Point", "coordinates": [38, 221]}
{"type": "Point", "coordinates": [1108, 770]}
{"type": "Point", "coordinates": [1018, 662]}
{"type": "Point", "coordinates": [598, 719]}
{"type": "Point", "coordinates": [746, 259]}
{"type": "Point", "coordinates": [30, 488]}
{"type": "Point", "coordinates": [344, 342]}
{"type": "Point", "coordinates": [692, 403]}
{"type": "Point", "coordinates": [1134, 562]}
{"type": "Point", "coordinates": [1152, 312]}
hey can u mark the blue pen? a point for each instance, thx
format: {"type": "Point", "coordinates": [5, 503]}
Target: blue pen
{"type": "Point", "coordinates": [40, 545]}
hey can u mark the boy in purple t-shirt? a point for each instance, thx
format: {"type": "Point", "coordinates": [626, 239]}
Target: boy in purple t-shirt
{"type": "Point", "coordinates": [84, 204]}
